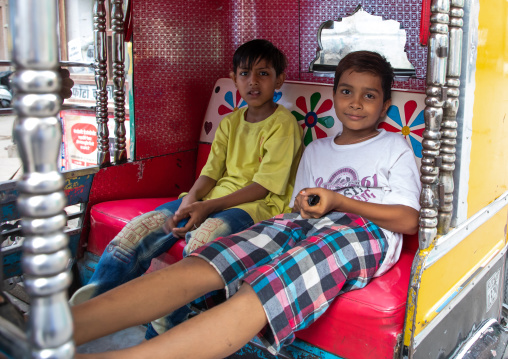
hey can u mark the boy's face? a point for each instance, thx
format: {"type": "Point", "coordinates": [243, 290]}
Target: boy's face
{"type": "Point", "coordinates": [359, 102]}
{"type": "Point", "coordinates": [258, 84]}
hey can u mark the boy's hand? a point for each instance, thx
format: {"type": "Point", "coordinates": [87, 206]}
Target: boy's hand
{"type": "Point", "coordinates": [198, 213]}
{"type": "Point", "coordinates": [172, 222]}
{"type": "Point", "coordinates": [327, 202]}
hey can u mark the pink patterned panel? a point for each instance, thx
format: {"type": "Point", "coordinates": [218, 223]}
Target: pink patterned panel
{"type": "Point", "coordinates": [182, 47]}
{"type": "Point", "coordinates": [407, 12]}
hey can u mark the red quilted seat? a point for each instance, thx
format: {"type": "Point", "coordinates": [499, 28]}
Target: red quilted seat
{"type": "Point", "coordinates": [364, 324]}
{"type": "Point", "coordinates": [108, 218]}
{"type": "Point", "coordinates": [360, 324]}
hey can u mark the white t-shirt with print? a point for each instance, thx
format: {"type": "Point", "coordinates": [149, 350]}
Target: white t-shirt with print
{"type": "Point", "coordinates": [379, 170]}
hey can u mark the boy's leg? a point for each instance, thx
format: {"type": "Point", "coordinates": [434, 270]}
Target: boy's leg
{"type": "Point", "coordinates": [241, 317]}
{"type": "Point", "coordinates": [130, 253]}
{"type": "Point", "coordinates": [144, 299]}
{"type": "Point", "coordinates": [298, 287]}
{"type": "Point", "coordinates": [219, 224]}
{"type": "Point", "coordinates": [216, 333]}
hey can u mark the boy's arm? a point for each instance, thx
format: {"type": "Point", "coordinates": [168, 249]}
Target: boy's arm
{"type": "Point", "coordinates": [200, 188]}
{"type": "Point", "coordinates": [396, 218]}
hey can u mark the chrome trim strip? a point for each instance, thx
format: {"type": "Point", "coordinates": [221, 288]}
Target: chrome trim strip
{"type": "Point", "coordinates": [447, 242]}
{"type": "Point", "coordinates": [101, 79]}
{"type": "Point", "coordinates": [465, 113]}
{"type": "Point", "coordinates": [118, 48]}
{"type": "Point", "coordinates": [437, 61]}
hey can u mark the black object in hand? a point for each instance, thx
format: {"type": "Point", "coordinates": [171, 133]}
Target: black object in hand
{"type": "Point", "coordinates": [313, 199]}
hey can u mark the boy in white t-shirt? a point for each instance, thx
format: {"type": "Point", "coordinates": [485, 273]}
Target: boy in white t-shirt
{"type": "Point", "coordinates": [354, 196]}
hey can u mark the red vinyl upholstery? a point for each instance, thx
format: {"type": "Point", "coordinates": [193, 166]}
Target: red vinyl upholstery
{"type": "Point", "coordinates": [364, 324]}
{"type": "Point", "coordinates": [108, 218]}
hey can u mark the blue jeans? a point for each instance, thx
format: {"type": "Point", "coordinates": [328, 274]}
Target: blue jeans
{"type": "Point", "coordinates": [130, 253]}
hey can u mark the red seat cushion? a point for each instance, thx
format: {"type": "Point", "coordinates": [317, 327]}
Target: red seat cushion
{"type": "Point", "coordinates": [365, 323]}
{"type": "Point", "coordinates": [359, 324]}
{"type": "Point", "coordinates": [108, 218]}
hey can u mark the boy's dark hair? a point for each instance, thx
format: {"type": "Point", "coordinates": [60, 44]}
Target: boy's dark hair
{"type": "Point", "coordinates": [367, 61]}
{"type": "Point", "coordinates": [251, 52]}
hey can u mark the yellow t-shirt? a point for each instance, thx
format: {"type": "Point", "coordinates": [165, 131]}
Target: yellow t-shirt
{"type": "Point", "coordinates": [265, 152]}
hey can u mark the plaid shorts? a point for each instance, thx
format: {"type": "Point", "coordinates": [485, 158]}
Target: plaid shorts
{"type": "Point", "coordinates": [296, 266]}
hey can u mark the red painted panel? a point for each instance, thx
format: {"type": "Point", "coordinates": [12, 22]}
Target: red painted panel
{"type": "Point", "coordinates": [164, 176]}
{"type": "Point", "coordinates": [182, 48]}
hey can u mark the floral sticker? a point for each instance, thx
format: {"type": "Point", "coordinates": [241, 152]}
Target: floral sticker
{"type": "Point", "coordinates": [313, 126]}
{"type": "Point", "coordinates": [234, 103]}
{"type": "Point", "coordinates": [412, 128]}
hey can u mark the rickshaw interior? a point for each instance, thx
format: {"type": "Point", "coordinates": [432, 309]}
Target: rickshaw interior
{"type": "Point", "coordinates": [180, 57]}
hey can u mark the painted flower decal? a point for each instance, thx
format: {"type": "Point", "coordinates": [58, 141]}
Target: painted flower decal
{"type": "Point", "coordinates": [412, 127]}
{"type": "Point", "coordinates": [234, 103]}
{"type": "Point", "coordinates": [313, 126]}
{"type": "Point", "coordinates": [238, 102]}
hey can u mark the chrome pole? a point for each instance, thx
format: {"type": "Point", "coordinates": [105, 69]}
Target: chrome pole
{"type": "Point", "coordinates": [117, 24]}
{"type": "Point", "coordinates": [41, 201]}
{"type": "Point", "coordinates": [101, 80]}
{"type": "Point", "coordinates": [436, 96]}
{"type": "Point", "coordinates": [449, 125]}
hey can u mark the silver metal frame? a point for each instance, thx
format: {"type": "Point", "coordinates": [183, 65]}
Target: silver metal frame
{"type": "Point", "coordinates": [101, 79]}
{"type": "Point", "coordinates": [465, 113]}
{"type": "Point", "coordinates": [117, 25]}
{"type": "Point", "coordinates": [361, 31]}
{"type": "Point", "coordinates": [449, 124]}
{"type": "Point", "coordinates": [42, 200]}
{"type": "Point", "coordinates": [437, 60]}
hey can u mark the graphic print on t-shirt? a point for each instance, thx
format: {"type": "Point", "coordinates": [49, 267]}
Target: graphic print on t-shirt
{"type": "Point", "coordinates": [346, 182]}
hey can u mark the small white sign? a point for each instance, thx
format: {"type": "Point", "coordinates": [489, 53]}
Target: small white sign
{"type": "Point", "coordinates": [493, 289]}
{"type": "Point", "coordinates": [74, 50]}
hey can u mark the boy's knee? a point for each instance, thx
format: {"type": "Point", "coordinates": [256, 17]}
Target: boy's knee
{"type": "Point", "coordinates": [210, 229]}
{"type": "Point", "coordinates": [139, 228]}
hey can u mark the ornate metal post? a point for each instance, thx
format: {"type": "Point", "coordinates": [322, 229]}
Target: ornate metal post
{"type": "Point", "coordinates": [117, 23]}
{"type": "Point", "coordinates": [101, 80]}
{"type": "Point", "coordinates": [449, 125]}
{"type": "Point", "coordinates": [41, 201]}
{"type": "Point", "coordinates": [436, 96]}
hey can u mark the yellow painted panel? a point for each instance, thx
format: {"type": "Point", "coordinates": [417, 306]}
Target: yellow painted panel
{"type": "Point", "coordinates": [440, 280]}
{"type": "Point", "coordinates": [489, 153]}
